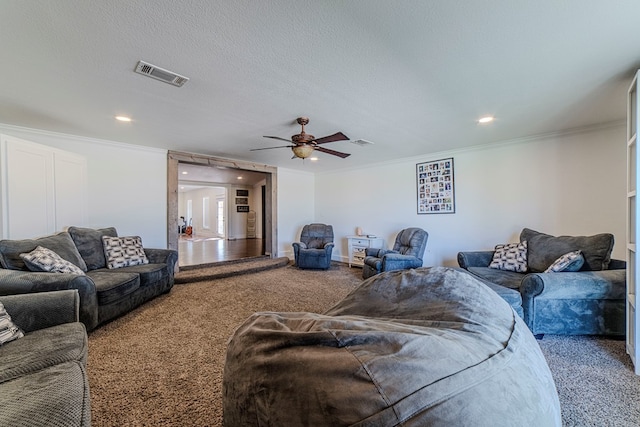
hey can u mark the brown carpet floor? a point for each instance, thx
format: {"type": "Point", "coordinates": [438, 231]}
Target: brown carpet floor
{"type": "Point", "coordinates": [161, 364]}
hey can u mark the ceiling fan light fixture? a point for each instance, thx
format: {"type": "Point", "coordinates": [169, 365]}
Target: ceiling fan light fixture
{"type": "Point", "coordinates": [302, 151]}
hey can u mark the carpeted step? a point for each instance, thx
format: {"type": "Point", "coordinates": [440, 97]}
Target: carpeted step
{"type": "Point", "coordinates": [228, 269]}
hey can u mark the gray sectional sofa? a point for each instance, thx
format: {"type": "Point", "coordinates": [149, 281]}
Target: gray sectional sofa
{"type": "Point", "coordinates": [419, 347]}
{"type": "Point", "coordinates": [590, 301]}
{"type": "Point", "coordinates": [43, 378]}
{"type": "Point", "coordinates": [105, 293]}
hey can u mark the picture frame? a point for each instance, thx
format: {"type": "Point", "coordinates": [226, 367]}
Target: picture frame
{"type": "Point", "coordinates": [242, 208]}
{"type": "Point", "coordinates": [242, 193]}
{"type": "Point", "coordinates": [242, 201]}
{"type": "Point", "coordinates": [435, 187]}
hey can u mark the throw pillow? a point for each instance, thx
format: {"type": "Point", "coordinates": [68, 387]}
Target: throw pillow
{"type": "Point", "coordinates": [60, 243]}
{"type": "Point", "coordinates": [9, 331]}
{"type": "Point", "coordinates": [90, 246]}
{"type": "Point", "coordinates": [43, 259]}
{"type": "Point", "coordinates": [510, 257]}
{"type": "Point", "coordinates": [123, 251]}
{"type": "Point", "coordinates": [544, 249]}
{"type": "Point", "coordinates": [571, 261]}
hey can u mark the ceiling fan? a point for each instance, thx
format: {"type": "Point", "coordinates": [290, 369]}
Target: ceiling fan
{"type": "Point", "coordinates": [304, 144]}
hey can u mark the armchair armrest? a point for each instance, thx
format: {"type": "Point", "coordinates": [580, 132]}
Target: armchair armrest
{"type": "Point", "coordinates": [26, 282]}
{"type": "Point", "coordinates": [617, 264]}
{"type": "Point", "coordinates": [475, 259]}
{"type": "Point", "coordinates": [43, 310]}
{"type": "Point", "coordinates": [395, 261]}
{"type": "Point", "coordinates": [377, 252]}
{"type": "Point", "coordinates": [585, 285]}
{"type": "Point", "coordinates": [162, 256]}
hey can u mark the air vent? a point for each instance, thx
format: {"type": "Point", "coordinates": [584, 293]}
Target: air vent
{"type": "Point", "coordinates": [361, 142]}
{"type": "Point", "coordinates": [160, 74]}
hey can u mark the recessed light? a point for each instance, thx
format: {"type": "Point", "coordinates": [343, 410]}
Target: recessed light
{"type": "Point", "coordinates": [123, 118]}
{"type": "Point", "coordinates": [486, 119]}
{"type": "Point", "coordinates": [239, 177]}
{"type": "Point", "coordinates": [185, 173]}
{"type": "Point", "coordinates": [313, 159]}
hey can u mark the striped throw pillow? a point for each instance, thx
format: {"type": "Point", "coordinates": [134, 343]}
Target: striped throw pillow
{"type": "Point", "coordinates": [9, 331]}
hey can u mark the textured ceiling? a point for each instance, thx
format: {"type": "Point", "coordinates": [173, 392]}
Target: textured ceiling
{"type": "Point", "coordinates": [410, 76]}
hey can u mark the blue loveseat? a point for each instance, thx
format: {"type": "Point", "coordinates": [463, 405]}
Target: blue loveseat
{"type": "Point", "coordinates": [590, 301]}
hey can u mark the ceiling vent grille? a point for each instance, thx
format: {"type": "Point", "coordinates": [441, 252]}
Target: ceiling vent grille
{"type": "Point", "coordinates": [361, 142]}
{"type": "Point", "coordinates": [161, 74]}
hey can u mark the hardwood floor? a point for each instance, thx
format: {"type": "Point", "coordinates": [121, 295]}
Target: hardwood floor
{"type": "Point", "coordinates": [207, 251]}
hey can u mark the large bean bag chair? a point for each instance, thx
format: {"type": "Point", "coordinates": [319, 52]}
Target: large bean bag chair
{"type": "Point", "coordinates": [423, 347]}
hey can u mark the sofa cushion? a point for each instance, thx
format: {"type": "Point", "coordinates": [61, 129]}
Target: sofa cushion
{"type": "Point", "coordinates": [55, 396]}
{"type": "Point", "coordinates": [544, 249]}
{"type": "Point", "coordinates": [89, 244]}
{"type": "Point", "coordinates": [571, 261]}
{"type": "Point", "coordinates": [508, 279]}
{"type": "Point", "coordinates": [123, 251]}
{"type": "Point", "coordinates": [43, 348]}
{"type": "Point", "coordinates": [510, 257]}
{"type": "Point", "coordinates": [9, 331]}
{"type": "Point", "coordinates": [61, 243]}
{"type": "Point", "coordinates": [149, 273]}
{"type": "Point", "coordinates": [111, 286]}
{"type": "Point", "coordinates": [43, 259]}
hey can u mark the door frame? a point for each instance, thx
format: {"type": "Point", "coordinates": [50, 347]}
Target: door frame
{"type": "Point", "coordinates": [270, 205]}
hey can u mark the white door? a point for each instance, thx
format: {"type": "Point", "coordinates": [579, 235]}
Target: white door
{"type": "Point", "coordinates": [28, 198]}
{"type": "Point", "coordinates": [633, 222]}
{"type": "Point", "coordinates": [43, 189]}
{"type": "Point", "coordinates": [70, 173]}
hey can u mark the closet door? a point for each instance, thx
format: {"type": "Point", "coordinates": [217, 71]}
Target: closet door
{"type": "Point", "coordinates": [28, 196]}
{"type": "Point", "coordinates": [70, 172]}
{"type": "Point", "coordinates": [43, 189]}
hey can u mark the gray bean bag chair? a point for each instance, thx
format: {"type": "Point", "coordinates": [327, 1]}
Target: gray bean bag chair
{"type": "Point", "coordinates": [423, 347]}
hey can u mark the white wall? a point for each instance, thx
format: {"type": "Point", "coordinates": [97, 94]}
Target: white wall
{"type": "Point", "coordinates": [572, 184]}
{"type": "Point", "coordinates": [237, 228]}
{"type": "Point", "coordinates": [196, 197]}
{"type": "Point", "coordinates": [127, 184]}
{"type": "Point", "coordinates": [295, 207]}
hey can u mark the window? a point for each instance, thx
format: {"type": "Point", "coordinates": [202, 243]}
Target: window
{"type": "Point", "coordinates": [189, 211]}
{"type": "Point", "coordinates": [221, 217]}
{"type": "Point", "coordinates": [205, 212]}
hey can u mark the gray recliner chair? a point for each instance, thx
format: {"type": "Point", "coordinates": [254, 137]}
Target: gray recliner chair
{"type": "Point", "coordinates": [315, 247]}
{"type": "Point", "coordinates": [407, 252]}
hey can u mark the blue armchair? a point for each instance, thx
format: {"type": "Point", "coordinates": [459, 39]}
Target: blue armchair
{"type": "Point", "coordinates": [315, 247]}
{"type": "Point", "coordinates": [407, 252]}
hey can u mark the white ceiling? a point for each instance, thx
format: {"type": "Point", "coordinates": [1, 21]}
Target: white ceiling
{"type": "Point", "coordinates": [411, 76]}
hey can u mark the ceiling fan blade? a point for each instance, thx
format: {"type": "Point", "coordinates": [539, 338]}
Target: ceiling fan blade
{"type": "Point", "coordinates": [277, 137]}
{"type": "Point", "coordinates": [269, 148]}
{"type": "Point", "coordinates": [334, 152]}
{"type": "Point", "coordinates": [331, 138]}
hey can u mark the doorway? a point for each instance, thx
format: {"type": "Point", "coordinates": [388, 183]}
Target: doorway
{"type": "Point", "coordinates": [248, 188]}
